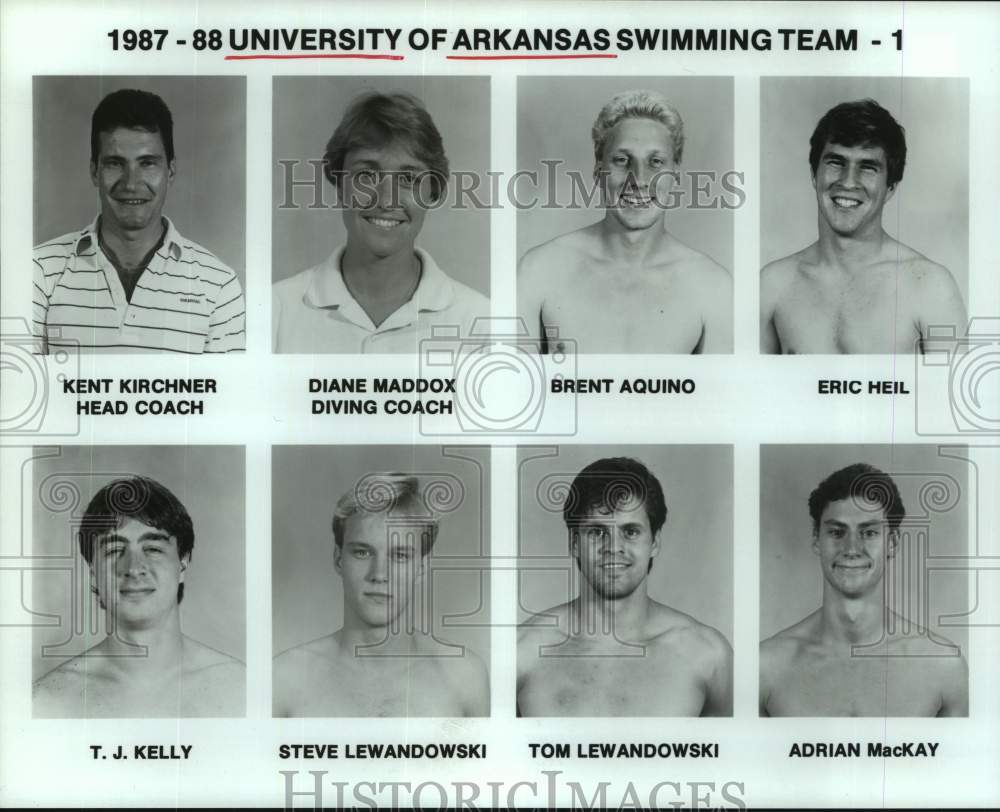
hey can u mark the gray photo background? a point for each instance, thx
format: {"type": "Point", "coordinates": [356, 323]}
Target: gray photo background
{"type": "Point", "coordinates": [692, 572]}
{"type": "Point", "coordinates": [791, 582]}
{"type": "Point", "coordinates": [307, 595]}
{"type": "Point", "coordinates": [208, 480]}
{"type": "Point", "coordinates": [207, 201]}
{"type": "Point", "coordinates": [307, 109]}
{"type": "Point", "coordinates": [930, 208]}
{"type": "Point", "coordinates": [554, 118]}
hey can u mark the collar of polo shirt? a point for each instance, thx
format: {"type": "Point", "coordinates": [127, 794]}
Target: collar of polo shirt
{"type": "Point", "coordinates": [88, 237]}
{"type": "Point", "coordinates": [327, 288]}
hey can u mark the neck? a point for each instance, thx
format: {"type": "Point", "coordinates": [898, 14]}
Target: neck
{"type": "Point", "coordinates": [355, 635]}
{"type": "Point", "coordinates": [379, 278]}
{"type": "Point", "coordinates": [131, 246]}
{"type": "Point", "coordinates": [631, 247]}
{"type": "Point", "coordinates": [858, 621]}
{"type": "Point", "coordinates": [850, 252]}
{"type": "Point", "coordinates": [164, 647]}
{"type": "Point", "coordinates": [624, 619]}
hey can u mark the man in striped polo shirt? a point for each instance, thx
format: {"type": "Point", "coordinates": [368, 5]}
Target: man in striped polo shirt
{"type": "Point", "coordinates": [129, 282]}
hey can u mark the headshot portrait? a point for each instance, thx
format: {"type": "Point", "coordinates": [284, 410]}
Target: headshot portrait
{"type": "Point", "coordinates": [854, 617]}
{"type": "Point", "coordinates": [864, 214]}
{"type": "Point", "coordinates": [380, 591]}
{"type": "Point", "coordinates": [144, 595]}
{"type": "Point", "coordinates": [139, 214]}
{"type": "Point", "coordinates": [625, 235]}
{"type": "Point", "coordinates": [373, 246]}
{"type": "Point", "coordinates": [626, 581]}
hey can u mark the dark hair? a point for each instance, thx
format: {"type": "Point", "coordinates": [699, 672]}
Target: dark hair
{"type": "Point", "coordinates": [142, 499]}
{"type": "Point", "coordinates": [133, 110]}
{"type": "Point", "coordinates": [389, 493]}
{"type": "Point", "coordinates": [861, 123]}
{"type": "Point", "coordinates": [861, 482]}
{"type": "Point", "coordinates": [376, 119]}
{"type": "Point", "coordinates": [610, 483]}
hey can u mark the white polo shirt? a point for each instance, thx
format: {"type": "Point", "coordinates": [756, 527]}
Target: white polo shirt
{"type": "Point", "coordinates": [314, 312]}
{"type": "Point", "coordinates": [186, 301]}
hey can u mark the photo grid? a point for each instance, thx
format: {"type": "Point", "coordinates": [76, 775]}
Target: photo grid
{"type": "Point", "coordinates": [412, 432]}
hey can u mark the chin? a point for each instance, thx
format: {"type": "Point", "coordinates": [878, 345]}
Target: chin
{"type": "Point", "coordinates": [638, 220]}
{"type": "Point", "coordinates": [613, 590]}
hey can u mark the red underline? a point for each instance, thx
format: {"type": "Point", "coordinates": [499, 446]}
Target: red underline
{"type": "Point", "coordinates": [392, 57]}
{"type": "Point", "coordinates": [538, 56]}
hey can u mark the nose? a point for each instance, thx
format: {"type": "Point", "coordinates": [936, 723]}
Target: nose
{"type": "Point", "coordinates": [387, 190]}
{"type": "Point", "coordinates": [130, 176]}
{"type": "Point", "coordinates": [642, 175]}
{"type": "Point", "coordinates": [851, 176]}
{"type": "Point", "coordinates": [378, 569]}
{"type": "Point", "coordinates": [612, 540]}
{"type": "Point", "coordinates": [853, 543]}
{"type": "Point", "coordinates": [135, 562]}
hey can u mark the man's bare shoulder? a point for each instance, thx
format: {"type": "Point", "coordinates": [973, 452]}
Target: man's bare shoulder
{"type": "Point", "coordinates": [199, 658]}
{"type": "Point", "coordinates": [917, 271]}
{"type": "Point", "coordinates": [305, 655]}
{"type": "Point", "coordinates": [545, 627]}
{"type": "Point", "coordinates": [559, 252]}
{"type": "Point", "coordinates": [699, 270]}
{"type": "Point", "coordinates": [781, 271]}
{"type": "Point", "coordinates": [467, 673]}
{"type": "Point", "coordinates": [65, 681]}
{"type": "Point", "coordinates": [936, 650]}
{"type": "Point", "coordinates": [699, 641]}
{"type": "Point", "coordinates": [786, 644]}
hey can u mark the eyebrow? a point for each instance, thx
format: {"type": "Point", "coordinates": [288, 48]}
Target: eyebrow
{"type": "Point", "coordinates": [654, 150]}
{"type": "Point", "coordinates": [146, 156]}
{"type": "Point", "coordinates": [836, 151]}
{"type": "Point", "coordinates": [369, 162]}
{"type": "Point", "coordinates": [151, 535]}
{"type": "Point", "coordinates": [866, 523]}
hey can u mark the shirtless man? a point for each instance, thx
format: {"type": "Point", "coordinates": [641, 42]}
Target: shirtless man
{"type": "Point", "coordinates": [137, 539]}
{"type": "Point", "coordinates": [626, 284]}
{"type": "Point", "coordinates": [377, 664]}
{"type": "Point", "coordinates": [850, 657]}
{"type": "Point", "coordinates": [856, 289]}
{"type": "Point", "coordinates": [613, 650]}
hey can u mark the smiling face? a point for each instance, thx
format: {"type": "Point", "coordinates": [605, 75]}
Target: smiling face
{"type": "Point", "coordinates": [380, 563]}
{"type": "Point", "coordinates": [387, 189]}
{"type": "Point", "coordinates": [136, 570]}
{"type": "Point", "coordinates": [853, 542]}
{"type": "Point", "coordinates": [851, 189]}
{"type": "Point", "coordinates": [636, 172]}
{"type": "Point", "coordinates": [132, 175]}
{"type": "Point", "coordinates": [614, 549]}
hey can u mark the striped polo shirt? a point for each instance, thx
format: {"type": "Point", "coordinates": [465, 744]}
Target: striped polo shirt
{"type": "Point", "coordinates": [186, 301]}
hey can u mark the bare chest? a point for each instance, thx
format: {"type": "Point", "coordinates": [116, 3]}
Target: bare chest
{"type": "Point", "coordinates": [570, 683]}
{"type": "Point", "coordinates": [391, 689]}
{"type": "Point", "coordinates": [856, 686]}
{"type": "Point", "coordinates": [603, 312]}
{"type": "Point", "coordinates": [189, 696]}
{"type": "Point", "coordinates": [862, 314]}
